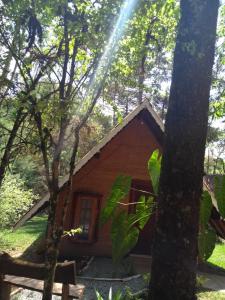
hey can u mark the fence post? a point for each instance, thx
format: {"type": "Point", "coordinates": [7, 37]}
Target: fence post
{"type": "Point", "coordinates": [5, 289]}
{"type": "Point", "coordinates": [65, 291]}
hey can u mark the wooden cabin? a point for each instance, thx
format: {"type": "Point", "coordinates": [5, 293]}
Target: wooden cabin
{"type": "Point", "coordinates": [125, 150]}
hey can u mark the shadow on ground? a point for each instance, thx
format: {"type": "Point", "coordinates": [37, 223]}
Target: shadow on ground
{"type": "Point", "coordinates": [35, 252]}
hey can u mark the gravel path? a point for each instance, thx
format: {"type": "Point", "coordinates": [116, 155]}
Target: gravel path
{"type": "Point", "coordinates": [103, 287]}
{"type": "Point", "coordinates": [30, 295]}
{"type": "Point", "coordinates": [98, 269]}
{"type": "Point", "coordinates": [104, 268]}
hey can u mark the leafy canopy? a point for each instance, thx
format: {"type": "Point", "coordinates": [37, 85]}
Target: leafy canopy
{"type": "Point", "coordinates": [15, 200]}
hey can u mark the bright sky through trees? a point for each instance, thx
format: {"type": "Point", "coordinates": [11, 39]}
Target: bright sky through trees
{"type": "Point", "coordinates": [111, 48]}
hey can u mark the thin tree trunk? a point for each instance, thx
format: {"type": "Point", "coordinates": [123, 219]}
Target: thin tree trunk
{"type": "Point", "coordinates": [173, 275]}
{"type": "Point", "coordinates": [56, 230]}
{"type": "Point", "coordinates": [141, 77]}
{"type": "Point", "coordinates": [144, 57]}
{"type": "Point", "coordinates": [50, 262]}
{"type": "Point", "coordinates": [7, 152]}
{"type": "Point", "coordinates": [8, 60]}
{"type": "Point", "coordinates": [208, 162]}
{"type": "Point", "coordinates": [54, 234]}
{"type": "Point", "coordinates": [164, 105]}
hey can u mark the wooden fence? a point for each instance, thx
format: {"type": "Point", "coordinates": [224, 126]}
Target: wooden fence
{"type": "Point", "coordinates": [15, 272]}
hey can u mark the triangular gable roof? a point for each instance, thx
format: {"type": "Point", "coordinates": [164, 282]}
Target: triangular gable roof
{"type": "Point", "coordinates": [144, 106]}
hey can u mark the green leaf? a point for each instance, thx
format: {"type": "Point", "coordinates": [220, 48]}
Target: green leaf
{"type": "Point", "coordinates": [143, 210]}
{"type": "Point", "coordinates": [15, 200]}
{"type": "Point", "coordinates": [110, 294]}
{"type": "Point", "coordinates": [120, 189]}
{"type": "Point", "coordinates": [118, 296]}
{"type": "Point", "coordinates": [98, 296]}
{"type": "Point", "coordinates": [205, 208]}
{"type": "Point", "coordinates": [124, 235]}
{"type": "Point", "coordinates": [206, 242]}
{"type": "Point", "coordinates": [220, 194]}
{"type": "Point", "coordinates": [72, 232]}
{"type": "Point", "coordinates": [154, 166]}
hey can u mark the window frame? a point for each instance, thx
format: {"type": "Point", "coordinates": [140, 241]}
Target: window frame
{"type": "Point", "coordinates": [76, 216]}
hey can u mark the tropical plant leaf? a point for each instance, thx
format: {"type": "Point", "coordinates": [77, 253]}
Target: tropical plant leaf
{"type": "Point", "coordinates": [124, 235]}
{"type": "Point", "coordinates": [98, 296]}
{"type": "Point", "coordinates": [220, 194]}
{"type": "Point", "coordinates": [120, 189]}
{"type": "Point", "coordinates": [119, 296]}
{"type": "Point", "coordinates": [205, 208]}
{"type": "Point", "coordinates": [72, 232]}
{"type": "Point", "coordinates": [110, 294]}
{"type": "Point", "coordinates": [154, 166]}
{"type": "Point", "coordinates": [143, 210]}
{"type": "Point", "coordinates": [206, 242]}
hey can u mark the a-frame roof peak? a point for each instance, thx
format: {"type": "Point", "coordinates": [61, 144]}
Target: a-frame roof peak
{"type": "Point", "coordinates": [145, 106]}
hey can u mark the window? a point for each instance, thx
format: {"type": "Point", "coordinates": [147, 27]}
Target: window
{"type": "Point", "coordinates": [85, 216]}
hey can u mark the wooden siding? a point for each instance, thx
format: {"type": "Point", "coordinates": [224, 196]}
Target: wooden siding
{"type": "Point", "coordinates": [127, 153]}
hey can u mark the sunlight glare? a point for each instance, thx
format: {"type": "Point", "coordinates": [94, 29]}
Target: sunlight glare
{"type": "Point", "coordinates": [111, 48]}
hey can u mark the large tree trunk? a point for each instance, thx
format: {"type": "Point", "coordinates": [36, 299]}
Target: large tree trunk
{"type": "Point", "coordinates": [175, 247]}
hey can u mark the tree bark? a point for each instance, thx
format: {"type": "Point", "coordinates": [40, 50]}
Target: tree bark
{"type": "Point", "coordinates": [50, 263]}
{"type": "Point", "coordinates": [20, 116]}
{"type": "Point", "coordinates": [175, 251]}
{"type": "Point", "coordinates": [141, 77]}
{"type": "Point", "coordinates": [56, 230]}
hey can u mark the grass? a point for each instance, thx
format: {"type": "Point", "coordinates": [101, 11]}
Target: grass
{"type": "Point", "coordinates": [16, 242]}
{"type": "Point", "coordinates": [216, 259]}
{"type": "Point", "coordinates": [206, 295]}
{"type": "Point", "coordinates": [218, 256]}
{"type": "Point", "coordinates": [19, 240]}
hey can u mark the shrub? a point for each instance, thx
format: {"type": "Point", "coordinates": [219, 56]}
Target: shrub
{"type": "Point", "coordinates": [15, 200]}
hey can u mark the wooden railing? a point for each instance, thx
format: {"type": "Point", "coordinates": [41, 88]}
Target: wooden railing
{"type": "Point", "coordinates": [11, 269]}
